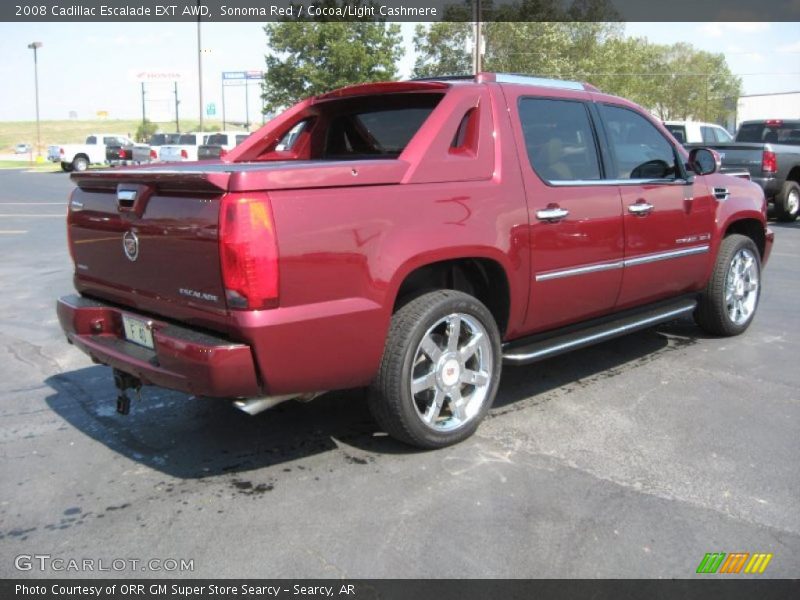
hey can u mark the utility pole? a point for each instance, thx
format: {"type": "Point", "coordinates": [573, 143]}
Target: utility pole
{"type": "Point", "coordinates": [199, 66]}
{"type": "Point", "coordinates": [223, 103]}
{"type": "Point", "coordinates": [247, 103]}
{"type": "Point", "coordinates": [35, 46]}
{"type": "Point", "coordinates": [177, 102]}
{"type": "Point", "coordinates": [477, 58]}
{"type": "Point", "coordinates": [144, 116]}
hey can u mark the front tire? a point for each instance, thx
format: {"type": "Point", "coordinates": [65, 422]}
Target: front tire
{"type": "Point", "coordinates": [66, 167]}
{"type": "Point", "coordinates": [787, 203]}
{"type": "Point", "coordinates": [729, 302]}
{"type": "Point", "coordinates": [440, 370]}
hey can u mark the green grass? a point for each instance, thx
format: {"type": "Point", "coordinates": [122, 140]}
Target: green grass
{"type": "Point", "coordinates": [75, 132]}
{"type": "Point", "coordinates": [24, 164]}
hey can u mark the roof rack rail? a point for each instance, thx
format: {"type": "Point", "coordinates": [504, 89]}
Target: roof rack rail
{"type": "Point", "coordinates": [445, 78]}
{"type": "Point", "coordinates": [516, 78]}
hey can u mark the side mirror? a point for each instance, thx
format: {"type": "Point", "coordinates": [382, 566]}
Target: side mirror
{"type": "Point", "coordinates": [704, 161]}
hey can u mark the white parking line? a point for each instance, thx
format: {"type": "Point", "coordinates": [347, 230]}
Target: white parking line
{"type": "Point", "coordinates": [33, 203]}
{"type": "Point", "coordinates": [34, 216]}
{"type": "Point", "coordinates": [13, 232]}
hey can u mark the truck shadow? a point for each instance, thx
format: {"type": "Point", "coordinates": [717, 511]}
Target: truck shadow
{"type": "Point", "coordinates": [193, 438]}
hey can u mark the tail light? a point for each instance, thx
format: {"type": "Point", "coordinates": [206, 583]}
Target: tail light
{"type": "Point", "coordinates": [184, 153]}
{"type": "Point", "coordinates": [153, 154]}
{"type": "Point", "coordinates": [248, 252]}
{"type": "Point", "coordinates": [70, 244]}
{"type": "Point", "coordinates": [61, 151]}
{"type": "Point", "coordinates": [222, 152]}
{"type": "Point", "coordinates": [123, 153]}
{"type": "Point", "coordinates": [769, 162]}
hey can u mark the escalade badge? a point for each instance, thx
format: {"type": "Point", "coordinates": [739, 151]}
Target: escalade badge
{"type": "Point", "coordinates": [130, 244]}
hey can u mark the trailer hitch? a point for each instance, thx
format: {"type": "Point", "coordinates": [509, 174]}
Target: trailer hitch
{"type": "Point", "coordinates": [125, 382]}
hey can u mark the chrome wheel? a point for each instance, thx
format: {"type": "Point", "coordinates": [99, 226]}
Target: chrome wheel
{"type": "Point", "coordinates": [741, 286]}
{"type": "Point", "coordinates": [451, 372]}
{"type": "Point", "coordinates": [793, 202]}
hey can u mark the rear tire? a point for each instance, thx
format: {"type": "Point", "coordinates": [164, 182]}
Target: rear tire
{"type": "Point", "coordinates": [730, 300]}
{"type": "Point", "coordinates": [440, 370]}
{"type": "Point", "coordinates": [787, 203]}
{"type": "Point", "coordinates": [80, 163]}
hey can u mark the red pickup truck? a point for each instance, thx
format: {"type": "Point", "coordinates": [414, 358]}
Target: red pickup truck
{"type": "Point", "coordinates": [410, 237]}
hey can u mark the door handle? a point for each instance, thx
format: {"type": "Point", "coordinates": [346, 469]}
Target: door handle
{"type": "Point", "coordinates": [551, 214]}
{"type": "Point", "coordinates": [641, 208]}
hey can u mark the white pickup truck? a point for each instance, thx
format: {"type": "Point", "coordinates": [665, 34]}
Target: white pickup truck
{"type": "Point", "coordinates": [185, 149]}
{"type": "Point", "coordinates": [78, 157]}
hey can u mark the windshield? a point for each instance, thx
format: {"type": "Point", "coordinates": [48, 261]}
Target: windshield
{"type": "Point", "coordinates": [770, 132]}
{"type": "Point", "coordinates": [217, 138]}
{"type": "Point", "coordinates": [188, 139]}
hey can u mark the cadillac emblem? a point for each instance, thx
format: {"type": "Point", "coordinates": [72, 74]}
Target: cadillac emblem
{"type": "Point", "coordinates": [130, 244]}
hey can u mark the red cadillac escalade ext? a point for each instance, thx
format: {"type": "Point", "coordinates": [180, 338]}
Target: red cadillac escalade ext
{"type": "Point", "coordinates": [410, 237]}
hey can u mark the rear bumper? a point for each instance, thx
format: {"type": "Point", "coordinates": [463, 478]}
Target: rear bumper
{"type": "Point", "coordinates": [183, 359]}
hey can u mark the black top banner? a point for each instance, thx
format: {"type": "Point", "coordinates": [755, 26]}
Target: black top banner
{"type": "Point", "coordinates": [397, 10]}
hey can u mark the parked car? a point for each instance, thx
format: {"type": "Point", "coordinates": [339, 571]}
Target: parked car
{"type": "Point", "coordinates": [78, 157]}
{"type": "Point", "coordinates": [696, 132]}
{"type": "Point", "coordinates": [770, 150]}
{"type": "Point", "coordinates": [185, 149]}
{"type": "Point", "coordinates": [129, 154]}
{"type": "Point", "coordinates": [412, 238]}
{"type": "Point", "coordinates": [218, 144]}
{"type": "Point", "coordinates": [23, 148]}
{"type": "Point", "coordinates": [157, 140]}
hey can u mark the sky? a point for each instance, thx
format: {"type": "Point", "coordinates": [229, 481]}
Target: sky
{"type": "Point", "coordinates": [87, 67]}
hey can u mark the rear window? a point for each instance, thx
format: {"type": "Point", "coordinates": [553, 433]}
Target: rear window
{"type": "Point", "coordinates": [187, 139]}
{"type": "Point", "coordinates": [375, 126]}
{"type": "Point", "coordinates": [217, 138]}
{"type": "Point", "coordinates": [240, 137]}
{"type": "Point", "coordinates": [678, 132]}
{"type": "Point", "coordinates": [770, 133]}
{"type": "Point", "coordinates": [161, 139]}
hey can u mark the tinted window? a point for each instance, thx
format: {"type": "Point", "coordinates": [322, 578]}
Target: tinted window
{"type": "Point", "coordinates": [774, 133]}
{"type": "Point", "coordinates": [559, 139]}
{"type": "Point", "coordinates": [161, 139]}
{"type": "Point", "coordinates": [678, 132]}
{"type": "Point", "coordinates": [639, 149]}
{"type": "Point", "coordinates": [381, 132]}
{"type": "Point", "coordinates": [217, 138]}
{"type": "Point", "coordinates": [91, 140]}
{"type": "Point", "coordinates": [189, 140]}
{"type": "Point", "coordinates": [240, 137]}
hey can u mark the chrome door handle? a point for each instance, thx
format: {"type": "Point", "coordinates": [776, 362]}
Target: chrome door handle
{"type": "Point", "coordinates": [640, 209]}
{"type": "Point", "coordinates": [551, 214]}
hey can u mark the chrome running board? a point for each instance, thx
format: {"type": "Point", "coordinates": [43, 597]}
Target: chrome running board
{"type": "Point", "coordinates": [541, 347]}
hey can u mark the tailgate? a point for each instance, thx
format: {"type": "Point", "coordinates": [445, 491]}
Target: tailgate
{"type": "Point", "coordinates": [152, 236]}
{"type": "Point", "coordinates": [741, 156]}
{"type": "Point", "coordinates": [170, 153]}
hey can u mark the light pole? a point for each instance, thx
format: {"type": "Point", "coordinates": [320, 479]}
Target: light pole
{"type": "Point", "coordinates": [35, 46]}
{"type": "Point", "coordinates": [199, 66]}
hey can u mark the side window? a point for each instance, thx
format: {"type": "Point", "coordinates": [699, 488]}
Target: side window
{"type": "Point", "coordinates": [291, 137]}
{"type": "Point", "coordinates": [91, 140]}
{"type": "Point", "coordinates": [559, 139]}
{"type": "Point", "coordinates": [678, 132]}
{"type": "Point", "coordinates": [640, 151]}
{"type": "Point", "coordinates": [709, 135]}
{"type": "Point", "coordinates": [722, 135]}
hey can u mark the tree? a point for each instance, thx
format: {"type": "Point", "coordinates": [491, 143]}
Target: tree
{"type": "Point", "coordinates": [309, 58]}
{"type": "Point", "coordinates": [145, 130]}
{"type": "Point", "coordinates": [673, 81]}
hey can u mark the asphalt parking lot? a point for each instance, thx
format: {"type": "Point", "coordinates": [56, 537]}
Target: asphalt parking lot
{"type": "Point", "coordinates": [630, 459]}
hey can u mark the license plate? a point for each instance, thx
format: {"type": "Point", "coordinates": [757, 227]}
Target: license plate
{"type": "Point", "coordinates": [138, 331]}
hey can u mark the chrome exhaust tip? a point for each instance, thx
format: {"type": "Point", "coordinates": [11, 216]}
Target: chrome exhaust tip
{"type": "Point", "coordinates": [253, 406]}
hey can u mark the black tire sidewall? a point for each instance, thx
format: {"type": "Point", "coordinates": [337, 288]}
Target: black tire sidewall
{"type": "Point", "coordinates": [451, 302]}
{"type": "Point", "coordinates": [728, 252]}
{"type": "Point", "coordinates": [782, 202]}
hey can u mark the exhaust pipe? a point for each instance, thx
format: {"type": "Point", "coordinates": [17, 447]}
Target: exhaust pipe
{"type": "Point", "coordinates": [253, 406]}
